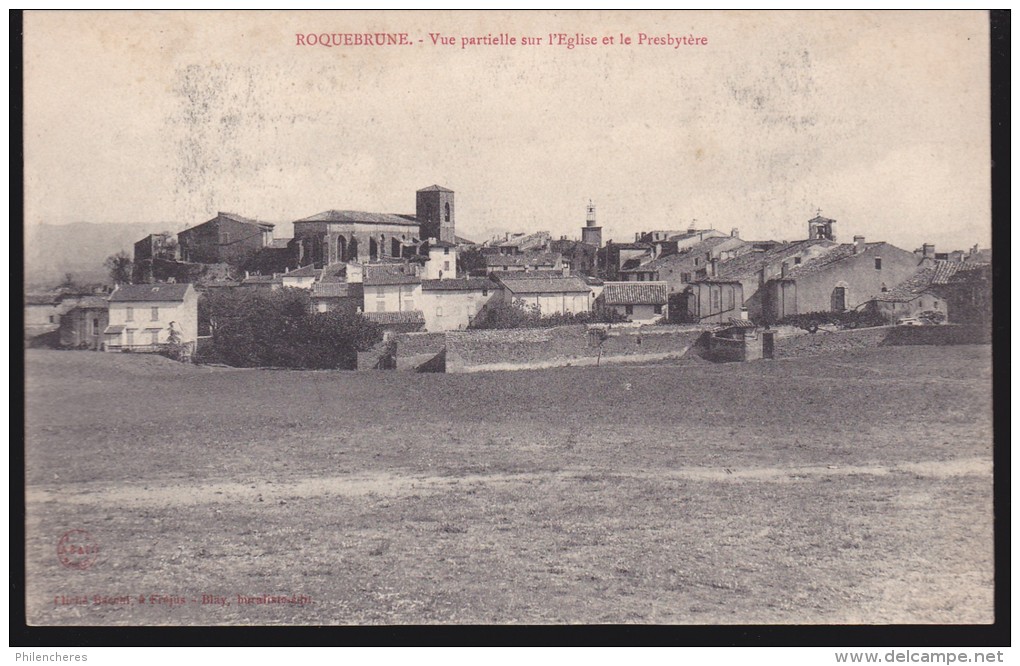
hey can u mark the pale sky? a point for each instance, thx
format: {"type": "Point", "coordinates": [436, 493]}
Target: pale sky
{"type": "Point", "coordinates": [880, 119]}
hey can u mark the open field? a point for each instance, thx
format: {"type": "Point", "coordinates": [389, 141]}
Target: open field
{"type": "Point", "coordinates": [849, 488]}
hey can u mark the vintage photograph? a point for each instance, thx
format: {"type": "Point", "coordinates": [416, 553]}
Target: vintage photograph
{"type": "Point", "coordinates": [507, 318]}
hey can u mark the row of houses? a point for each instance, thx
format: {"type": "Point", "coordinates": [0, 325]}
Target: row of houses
{"type": "Point", "coordinates": [134, 317]}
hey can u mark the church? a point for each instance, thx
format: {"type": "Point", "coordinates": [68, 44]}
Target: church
{"type": "Point", "coordinates": [349, 235]}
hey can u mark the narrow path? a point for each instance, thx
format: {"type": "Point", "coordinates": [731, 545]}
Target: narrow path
{"type": "Point", "coordinates": [392, 484]}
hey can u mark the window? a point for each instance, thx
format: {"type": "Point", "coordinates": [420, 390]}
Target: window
{"type": "Point", "coordinates": [155, 336]}
{"type": "Point", "coordinates": [878, 263]}
{"type": "Point", "coordinates": [696, 263]}
{"type": "Point", "coordinates": [485, 292]}
{"type": "Point", "coordinates": [685, 277]}
{"type": "Point", "coordinates": [155, 314]}
{"type": "Point", "coordinates": [95, 326]}
{"type": "Point", "coordinates": [226, 238]}
{"type": "Point", "coordinates": [447, 211]}
{"type": "Point", "coordinates": [52, 318]}
{"type": "Point", "coordinates": [936, 305]}
{"type": "Point", "coordinates": [629, 309]}
{"type": "Point", "coordinates": [130, 314]}
{"type": "Point", "coordinates": [130, 337]}
{"type": "Point", "coordinates": [658, 309]}
{"type": "Point", "coordinates": [446, 265]}
{"type": "Point", "coordinates": [796, 261]}
{"type": "Point", "coordinates": [446, 250]}
{"type": "Point", "coordinates": [716, 301]}
{"type": "Point", "coordinates": [439, 311]}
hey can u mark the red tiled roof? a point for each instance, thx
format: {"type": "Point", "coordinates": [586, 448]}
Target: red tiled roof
{"type": "Point", "coordinates": [635, 293]}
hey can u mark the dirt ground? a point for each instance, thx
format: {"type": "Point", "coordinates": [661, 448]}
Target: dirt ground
{"type": "Point", "coordinates": [848, 488]}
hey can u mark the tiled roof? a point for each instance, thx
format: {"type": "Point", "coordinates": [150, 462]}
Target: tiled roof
{"type": "Point", "coordinates": [912, 287]}
{"type": "Point", "coordinates": [748, 265]}
{"type": "Point", "coordinates": [385, 274]}
{"type": "Point", "coordinates": [441, 243]}
{"type": "Point", "coordinates": [544, 285]}
{"type": "Point", "coordinates": [530, 275]}
{"type": "Point", "coordinates": [261, 279]}
{"type": "Point", "coordinates": [741, 323]}
{"type": "Point", "coordinates": [687, 256]}
{"type": "Point", "coordinates": [945, 270]}
{"type": "Point", "coordinates": [630, 246]}
{"type": "Point", "coordinates": [42, 299]}
{"type": "Point", "coordinates": [636, 293]}
{"type": "Point", "coordinates": [536, 259]}
{"type": "Point", "coordinates": [94, 302]}
{"type": "Point", "coordinates": [458, 284]}
{"type": "Point", "coordinates": [330, 290]}
{"type": "Point", "coordinates": [464, 241]}
{"type": "Point", "coordinates": [149, 292]}
{"type": "Point", "coordinates": [841, 252]}
{"type": "Point", "coordinates": [336, 272]}
{"type": "Point", "coordinates": [280, 243]}
{"type": "Point", "coordinates": [406, 317]}
{"type": "Point", "coordinates": [359, 216]}
{"type": "Point", "coordinates": [434, 188]}
{"type": "Point", "coordinates": [245, 220]}
{"type": "Point", "coordinates": [305, 271]}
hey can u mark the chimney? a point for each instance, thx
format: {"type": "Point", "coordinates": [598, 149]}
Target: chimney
{"type": "Point", "coordinates": [858, 244]}
{"type": "Point", "coordinates": [784, 268]}
{"type": "Point", "coordinates": [713, 267]}
{"type": "Point", "coordinates": [928, 250]}
{"type": "Point", "coordinates": [734, 233]}
{"type": "Point", "coordinates": [637, 236]}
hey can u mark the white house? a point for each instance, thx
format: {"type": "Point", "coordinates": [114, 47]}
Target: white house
{"type": "Point", "coordinates": [644, 302]}
{"type": "Point", "coordinates": [301, 278]}
{"type": "Point", "coordinates": [141, 316]}
{"type": "Point", "coordinates": [452, 304]}
{"type": "Point", "coordinates": [552, 294]}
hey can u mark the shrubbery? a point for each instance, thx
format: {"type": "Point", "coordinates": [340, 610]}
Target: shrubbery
{"type": "Point", "coordinates": [519, 315]}
{"type": "Point", "coordinates": [278, 329]}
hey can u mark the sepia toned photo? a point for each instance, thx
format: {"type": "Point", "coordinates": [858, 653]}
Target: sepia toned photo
{"type": "Point", "coordinates": [507, 318]}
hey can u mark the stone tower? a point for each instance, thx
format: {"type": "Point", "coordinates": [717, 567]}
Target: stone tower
{"type": "Point", "coordinates": [590, 233]}
{"type": "Point", "coordinates": [435, 213]}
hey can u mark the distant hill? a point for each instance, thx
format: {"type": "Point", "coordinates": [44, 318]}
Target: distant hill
{"type": "Point", "coordinates": [80, 248]}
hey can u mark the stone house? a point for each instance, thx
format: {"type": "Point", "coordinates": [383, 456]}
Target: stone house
{"type": "Point", "coordinates": [82, 326]}
{"type": "Point", "coordinates": [693, 263]}
{"type": "Point", "coordinates": [643, 302]}
{"type": "Point", "coordinates": [551, 294]}
{"type": "Point", "coordinates": [452, 304]}
{"type": "Point", "coordinates": [533, 261]}
{"type": "Point", "coordinates": [141, 316]}
{"type": "Point", "coordinates": [844, 278]}
{"type": "Point", "coordinates": [227, 238]}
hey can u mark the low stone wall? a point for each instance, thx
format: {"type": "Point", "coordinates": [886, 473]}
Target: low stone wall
{"type": "Point", "coordinates": [522, 349]}
{"type": "Point", "coordinates": [827, 342]}
{"type": "Point", "coordinates": [414, 350]}
{"type": "Point", "coordinates": [947, 334]}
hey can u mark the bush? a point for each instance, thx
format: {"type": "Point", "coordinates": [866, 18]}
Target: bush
{"type": "Point", "coordinates": [278, 329]}
{"type": "Point", "coordinates": [502, 315]}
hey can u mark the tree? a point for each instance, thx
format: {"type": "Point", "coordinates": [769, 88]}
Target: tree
{"type": "Point", "coordinates": [278, 329]}
{"type": "Point", "coordinates": [471, 260]}
{"type": "Point", "coordinates": [119, 267]}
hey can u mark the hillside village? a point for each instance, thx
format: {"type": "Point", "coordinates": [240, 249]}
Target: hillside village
{"type": "Point", "coordinates": [412, 273]}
